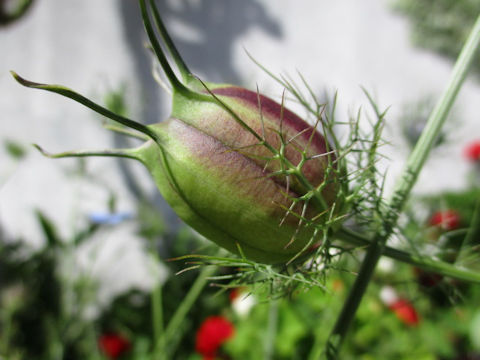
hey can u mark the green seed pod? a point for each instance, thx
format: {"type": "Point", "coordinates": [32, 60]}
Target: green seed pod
{"type": "Point", "coordinates": [236, 166]}
{"type": "Point", "coordinates": [226, 194]}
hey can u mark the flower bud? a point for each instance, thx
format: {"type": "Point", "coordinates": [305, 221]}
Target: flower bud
{"type": "Point", "coordinates": [218, 181]}
{"type": "Point", "coordinates": [238, 167]}
{"type": "Point", "coordinates": [272, 122]}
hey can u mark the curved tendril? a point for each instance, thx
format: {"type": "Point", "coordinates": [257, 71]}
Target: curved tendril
{"type": "Point", "coordinates": [124, 131]}
{"type": "Point", "coordinates": [172, 78]}
{"type": "Point", "coordinates": [124, 153]}
{"type": "Point", "coordinates": [64, 91]}
{"type": "Point", "coordinates": [172, 49]}
{"type": "Point", "coordinates": [177, 85]}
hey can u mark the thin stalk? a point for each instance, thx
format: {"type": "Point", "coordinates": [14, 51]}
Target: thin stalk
{"type": "Point", "coordinates": [124, 153]}
{"type": "Point", "coordinates": [158, 328]}
{"type": "Point", "coordinates": [177, 86]}
{"type": "Point", "coordinates": [424, 262]}
{"type": "Point", "coordinates": [188, 301]}
{"type": "Point", "coordinates": [402, 189]}
{"type": "Point", "coordinates": [124, 131]}
{"type": "Point", "coordinates": [157, 314]}
{"type": "Point", "coordinates": [269, 341]}
{"type": "Point", "coordinates": [92, 338]}
{"type": "Point", "coordinates": [69, 93]}
{"type": "Point", "coordinates": [172, 49]}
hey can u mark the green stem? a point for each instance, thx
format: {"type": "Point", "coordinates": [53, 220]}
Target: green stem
{"type": "Point", "coordinates": [172, 49]}
{"type": "Point", "coordinates": [124, 131]}
{"type": "Point", "coordinates": [124, 153]}
{"type": "Point", "coordinates": [159, 343]}
{"type": "Point", "coordinates": [269, 341]}
{"type": "Point", "coordinates": [402, 189]}
{"type": "Point", "coordinates": [424, 262]}
{"type": "Point", "coordinates": [158, 329]}
{"type": "Point", "coordinates": [69, 93]}
{"type": "Point", "coordinates": [187, 303]}
{"type": "Point", "coordinates": [177, 86]}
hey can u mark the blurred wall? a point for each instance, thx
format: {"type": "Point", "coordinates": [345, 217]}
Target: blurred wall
{"type": "Point", "coordinates": [97, 46]}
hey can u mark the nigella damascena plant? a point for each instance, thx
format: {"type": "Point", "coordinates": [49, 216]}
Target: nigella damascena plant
{"type": "Point", "coordinates": [238, 167]}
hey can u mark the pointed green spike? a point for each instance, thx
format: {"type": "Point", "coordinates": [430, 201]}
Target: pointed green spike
{"type": "Point", "coordinates": [124, 131]}
{"type": "Point", "coordinates": [172, 78]}
{"type": "Point", "coordinates": [125, 153]}
{"type": "Point", "coordinates": [172, 49]}
{"type": "Point", "coordinates": [64, 91]}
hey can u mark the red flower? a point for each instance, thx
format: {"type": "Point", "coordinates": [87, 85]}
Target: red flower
{"type": "Point", "coordinates": [113, 345]}
{"type": "Point", "coordinates": [448, 219]}
{"type": "Point", "coordinates": [472, 151]}
{"type": "Point", "coordinates": [405, 312]}
{"type": "Point", "coordinates": [213, 332]}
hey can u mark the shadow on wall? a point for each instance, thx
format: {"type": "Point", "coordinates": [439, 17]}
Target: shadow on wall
{"type": "Point", "coordinates": [204, 32]}
{"type": "Point", "coordinates": [215, 26]}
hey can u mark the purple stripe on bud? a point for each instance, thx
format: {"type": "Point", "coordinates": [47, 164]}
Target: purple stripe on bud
{"type": "Point", "coordinates": [270, 108]}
